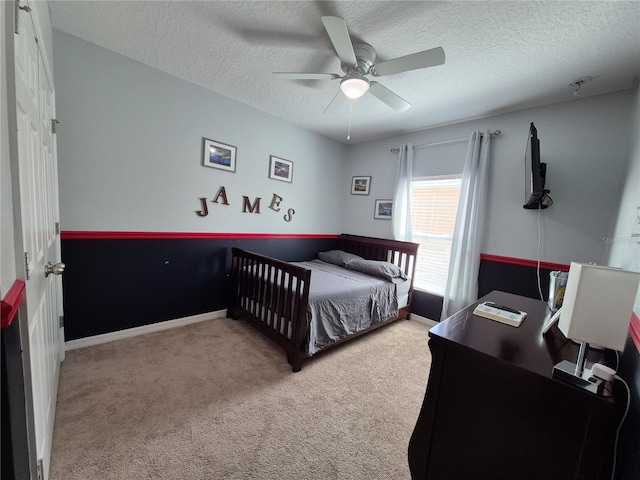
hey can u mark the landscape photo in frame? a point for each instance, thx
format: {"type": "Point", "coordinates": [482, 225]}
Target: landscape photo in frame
{"type": "Point", "coordinates": [280, 169]}
{"type": "Point", "coordinates": [218, 155]}
{"type": "Point", "coordinates": [384, 209]}
{"type": "Point", "coordinates": [360, 185]}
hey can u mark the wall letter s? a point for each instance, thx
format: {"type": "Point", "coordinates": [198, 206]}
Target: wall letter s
{"type": "Point", "coordinates": [289, 215]}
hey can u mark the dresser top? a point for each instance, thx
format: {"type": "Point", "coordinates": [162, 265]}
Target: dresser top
{"type": "Point", "coordinates": [522, 346]}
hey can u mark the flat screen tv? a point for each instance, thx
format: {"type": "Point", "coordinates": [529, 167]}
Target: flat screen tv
{"type": "Point", "coordinates": [535, 174]}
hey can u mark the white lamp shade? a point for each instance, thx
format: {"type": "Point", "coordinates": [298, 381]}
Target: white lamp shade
{"type": "Point", "coordinates": [354, 87]}
{"type": "Point", "coordinates": [597, 305]}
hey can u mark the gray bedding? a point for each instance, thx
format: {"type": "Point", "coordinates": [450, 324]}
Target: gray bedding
{"type": "Point", "coordinates": [342, 302]}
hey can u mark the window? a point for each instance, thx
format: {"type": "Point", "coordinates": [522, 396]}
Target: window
{"type": "Point", "coordinates": [434, 202]}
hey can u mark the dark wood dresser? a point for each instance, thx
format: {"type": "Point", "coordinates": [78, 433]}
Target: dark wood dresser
{"type": "Point", "coordinates": [493, 411]}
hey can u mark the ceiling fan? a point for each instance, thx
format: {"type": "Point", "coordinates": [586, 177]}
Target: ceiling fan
{"type": "Point", "coordinates": [358, 61]}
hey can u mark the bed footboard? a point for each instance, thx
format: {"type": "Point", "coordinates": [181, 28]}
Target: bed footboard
{"type": "Point", "coordinates": [273, 296]}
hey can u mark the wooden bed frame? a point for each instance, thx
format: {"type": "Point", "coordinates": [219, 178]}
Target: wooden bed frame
{"type": "Point", "coordinates": [273, 295]}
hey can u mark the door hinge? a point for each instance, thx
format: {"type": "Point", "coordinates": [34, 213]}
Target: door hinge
{"type": "Point", "coordinates": [54, 122]}
{"type": "Point", "coordinates": [61, 321]}
{"type": "Point", "coordinates": [40, 469]}
{"type": "Point", "coordinates": [26, 265]}
{"type": "Point", "coordinates": [57, 228]}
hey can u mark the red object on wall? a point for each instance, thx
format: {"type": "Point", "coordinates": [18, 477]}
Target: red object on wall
{"type": "Point", "coordinates": [634, 330]}
{"type": "Point", "coordinates": [80, 235]}
{"type": "Point", "coordinates": [523, 261]}
{"type": "Point", "coordinates": [11, 302]}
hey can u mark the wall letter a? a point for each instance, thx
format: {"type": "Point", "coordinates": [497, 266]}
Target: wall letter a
{"type": "Point", "coordinates": [221, 193]}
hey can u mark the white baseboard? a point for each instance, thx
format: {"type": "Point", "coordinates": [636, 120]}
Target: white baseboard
{"type": "Point", "coordinates": [425, 320]}
{"type": "Point", "coordinates": [134, 332]}
{"type": "Point", "coordinates": [179, 322]}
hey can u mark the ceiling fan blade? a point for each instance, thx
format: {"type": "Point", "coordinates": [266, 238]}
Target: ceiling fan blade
{"type": "Point", "coordinates": [339, 35]}
{"type": "Point", "coordinates": [306, 76]}
{"type": "Point", "coordinates": [427, 58]}
{"type": "Point", "coordinates": [388, 97]}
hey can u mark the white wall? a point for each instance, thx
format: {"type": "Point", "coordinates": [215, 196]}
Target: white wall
{"type": "Point", "coordinates": [624, 241]}
{"type": "Point", "coordinates": [583, 142]}
{"type": "Point", "coordinates": [375, 159]}
{"type": "Point", "coordinates": [130, 148]}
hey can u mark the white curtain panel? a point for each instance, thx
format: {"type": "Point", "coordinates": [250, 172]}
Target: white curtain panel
{"type": "Point", "coordinates": [401, 216]}
{"type": "Point", "coordinates": [462, 281]}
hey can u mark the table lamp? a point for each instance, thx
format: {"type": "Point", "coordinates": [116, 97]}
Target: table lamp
{"type": "Point", "coordinates": [597, 307]}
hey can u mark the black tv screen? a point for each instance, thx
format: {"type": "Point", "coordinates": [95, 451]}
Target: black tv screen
{"type": "Point", "coordinates": [535, 174]}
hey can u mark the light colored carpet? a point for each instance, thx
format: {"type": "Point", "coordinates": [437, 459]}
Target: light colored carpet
{"type": "Point", "coordinates": [217, 400]}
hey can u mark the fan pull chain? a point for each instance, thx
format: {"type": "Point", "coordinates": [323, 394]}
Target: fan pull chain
{"type": "Point", "coordinates": [349, 128]}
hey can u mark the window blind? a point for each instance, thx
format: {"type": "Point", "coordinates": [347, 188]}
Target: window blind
{"type": "Point", "coordinates": [434, 203]}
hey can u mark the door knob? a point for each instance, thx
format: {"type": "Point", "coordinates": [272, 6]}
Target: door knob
{"type": "Point", "coordinates": [56, 269]}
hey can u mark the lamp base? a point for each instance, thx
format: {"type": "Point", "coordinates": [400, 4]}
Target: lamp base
{"type": "Point", "coordinates": [565, 371]}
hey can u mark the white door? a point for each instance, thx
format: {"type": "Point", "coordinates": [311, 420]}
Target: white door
{"type": "Point", "coordinates": [35, 109]}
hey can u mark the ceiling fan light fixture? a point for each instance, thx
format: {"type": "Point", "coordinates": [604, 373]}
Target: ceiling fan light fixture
{"type": "Point", "coordinates": [354, 86]}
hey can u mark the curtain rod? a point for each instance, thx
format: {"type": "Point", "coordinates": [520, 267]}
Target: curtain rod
{"type": "Point", "coordinates": [456, 140]}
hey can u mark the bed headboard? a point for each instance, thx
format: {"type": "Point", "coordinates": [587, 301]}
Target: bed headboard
{"type": "Point", "coordinates": [402, 254]}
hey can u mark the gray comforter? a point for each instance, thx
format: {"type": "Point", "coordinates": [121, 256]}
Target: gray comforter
{"type": "Point", "coordinates": [342, 302]}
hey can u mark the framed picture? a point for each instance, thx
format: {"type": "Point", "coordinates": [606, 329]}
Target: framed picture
{"type": "Point", "coordinates": [383, 209]}
{"type": "Point", "coordinates": [280, 169]}
{"type": "Point", "coordinates": [218, 155]}
{"type": "Point", "coordinates": [360, 185]}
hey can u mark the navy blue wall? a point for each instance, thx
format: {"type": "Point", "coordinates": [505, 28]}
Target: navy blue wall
{"type": "Point", "coordinates": [519, 279]}
{"type": "Point", "coordinates": [173, 278]}
{"type": "Point", "coordinates": [180, 277]}
{"type": "Point", "coordinates": [493, 275]}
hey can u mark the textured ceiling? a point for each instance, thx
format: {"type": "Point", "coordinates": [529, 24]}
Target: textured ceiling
{"type": "Point", "coordinates": [500, 56]}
